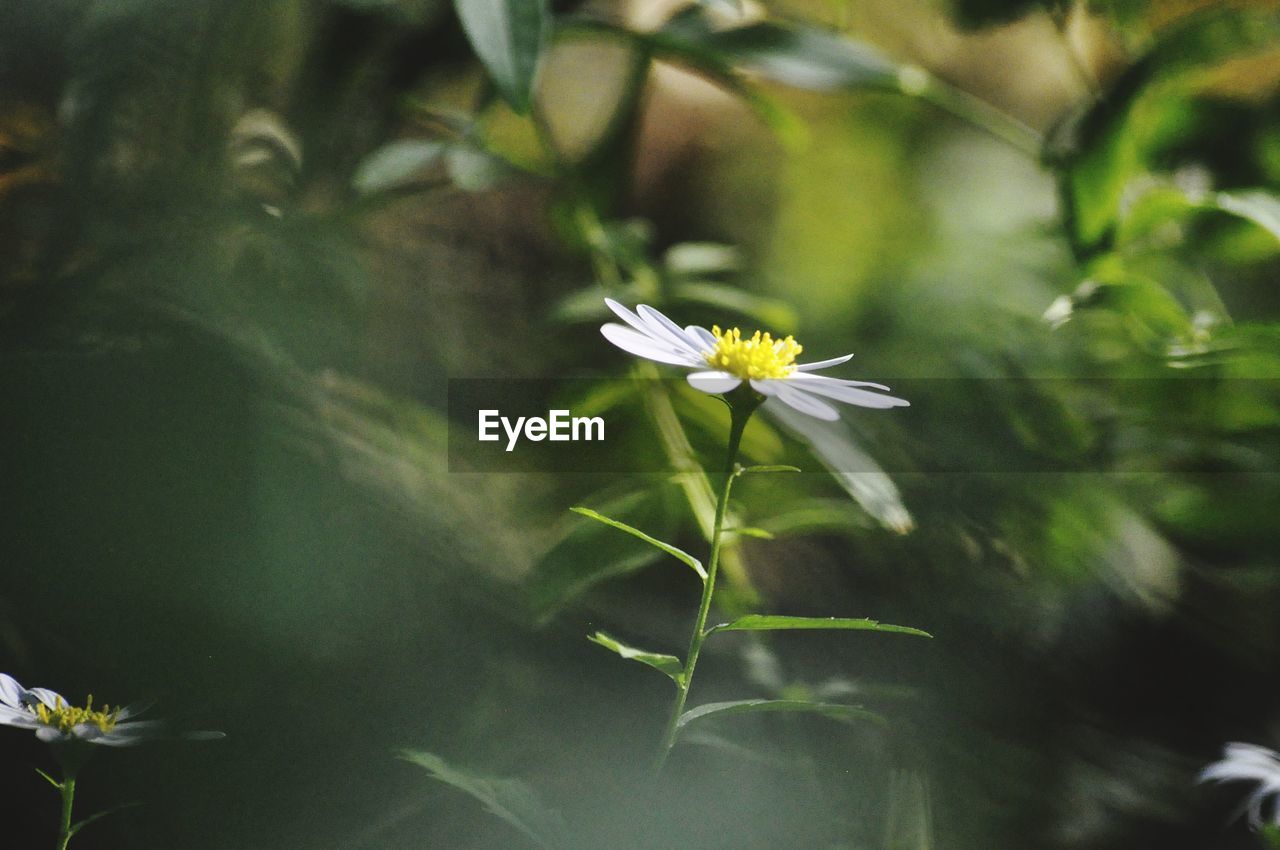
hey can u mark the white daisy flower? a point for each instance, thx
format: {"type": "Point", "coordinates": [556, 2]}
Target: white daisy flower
{"type": "Point", "coordinates": [723, 360]}
{"type": "Point", "coordinates": [1250, 763]}
{"type": "Point", "coordinates": [55, 720]}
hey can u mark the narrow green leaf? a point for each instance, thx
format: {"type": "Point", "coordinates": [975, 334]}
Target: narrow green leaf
{"type": "Point", "coordinates": [717, 709]}
{"type": "Point", "coordinates": [511, 800]}
{"type": "Point", "coordinates": [668, 664]}
{"type": "Point", "coordinates": [76, 827]}
{"type": "Point", "coordinates": [47, 778]}
{"type": "Point", "coordinates": [776, 622]}
{"type": "Point", "coordinates": [678, 554]}
{"type": "Point", "coordinates": [817, 516]}
{"type": "Point", "coordinates": [751, 531]}
{"type": "Point", "coordinates": [776, 467]}
{"type": "Point", "coordinates": [806, 57]}
{"type": "Point", "coordinates": [509, 36]}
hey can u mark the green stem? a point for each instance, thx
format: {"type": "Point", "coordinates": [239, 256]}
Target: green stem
{"type": "Point", "coordinates": [68, 789]}
{"type": "Point", "coordinates": [740, 414]}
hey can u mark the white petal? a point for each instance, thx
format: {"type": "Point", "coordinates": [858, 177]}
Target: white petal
{"type": "Point", "coordinates": [850, 395]}
{"type": "Point", "coordinates": [822, 364]}
{"type": "Point", "coordinates": [11, 692]}
{"type": "Point", "coordinates": [114, 740]}
{"type": "Point", "coordinates": [669, 330]}
{"type": "Point", "coordinates": [21, 718]}
{"type": "Point", "coordinates": [640, 345]}
{"type": "Point", "coordinates": [53, 699]}
{"type": "Point", "coordinates": [49, 734]}
{"type": "Point", "coordinates": [765, 386]}
{"type": "Point", "coordinates": [827, 379]}
{"type": "Point", "coordinates": [629, 317]}
{"type": "Point", "coordinates": [806, 403]}
{"type": "Point", "coordinates": [713, 382]}
{"type": "Point", "coordinates": [706, 337]}
{"type": "Point", "coordinates": [204, 735]}
{"type": "Point", "coordinates": [133, 710]}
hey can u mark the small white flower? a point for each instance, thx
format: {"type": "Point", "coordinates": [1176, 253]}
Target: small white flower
{"type": "Point", "coordinates": [55, 720]}
{"type": "Point", "coordinates": [724, 360]}
{"type": "Point", "coordinates": [1251, 763]}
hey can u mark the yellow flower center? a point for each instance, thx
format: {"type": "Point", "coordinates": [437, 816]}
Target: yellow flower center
{"type": "Point", "coordinates": [67, 717]}
{"type": "Point", "coordinates": [759, 357]}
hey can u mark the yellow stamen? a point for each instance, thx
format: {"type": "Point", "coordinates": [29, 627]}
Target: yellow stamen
{"type": "Point", "coordinates": [759, 357]}
{"type": "Point", "coordinates": [66, 717]}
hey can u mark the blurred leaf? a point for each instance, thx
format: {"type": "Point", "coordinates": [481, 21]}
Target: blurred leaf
{"type": "Point", "coordinates": [1153, 120]}
{"type": "Point", "coordinates": [986, 13]}
{"type": "Point", "coordinates": [474, 170]}
{"type": "Point", "coordinates": [678, 554]}
{"type": "Point", "coordinates": [668, 664]}
{"type": "Point", "coordinates": [719, 709]}
{"type": "Point", "coordinates": [751, 531]}
{"type": "Point", "coordinates": [1258, 206]}
{"type": "Point", "coordinates": [510, 799]}
{"type": "Point", "coordinates": [1271, 835]}
{"type": "Point", "coordinates": [590, 553]}
{"type": "Point", "coordinates": [815, 516]}
{"type": "Point", "coordinates": [509, 36]}
{"type": "Point", "coordinates": [777, 315]}
{"type": "Point", "coordinates": [801, 56]}
{"type": "Point", "coordinates": [690, 259]}
{"type": "Point", "coordinates": [779, 467]}
{"type": "Point", "coordinates": [776, 622]}
{"type": "Point", "coordinates": [869, 486]}
{"type": "Point", "coordinates": [1153, 316]}
{"type": "Point", "coordinates": [395, 163]}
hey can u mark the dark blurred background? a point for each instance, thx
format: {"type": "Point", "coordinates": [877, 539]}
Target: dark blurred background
{"type": "Point", "coordinates": [245, 245]}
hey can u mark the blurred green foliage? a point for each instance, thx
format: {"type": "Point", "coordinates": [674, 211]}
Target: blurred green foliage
{"type": "Point", "coordinates": [245, 245]}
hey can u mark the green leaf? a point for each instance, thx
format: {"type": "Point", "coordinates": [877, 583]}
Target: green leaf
{"type": "Point", "coordinates": [777, 316]}
{"type": "Point", "coordinates": [394, 164]}
{"type": "Point", "coordinates": [97, 816]}
{"type": "Point", "coordinates": [47, 778]}
{"type": "Point", "coordinates": [589, 553]}
{"type": "Point", "coordinates": [1271, 835]}
{"type": "Point", "coordinates": [719, 709]}
{"type": "Point", "coordinates": [509, 36]}
{"type": "Point", "coordinates": [474, 170]}
{"type": "Point", "coordinates": [510, 799]}
{"type": "Point", "coordinates": [806, 57]}
{"type": "Point", "coordinates": [1258, 206]}
{"type": "Point", "coordinates": [816, 516]}
{"type": "Point", "coordinates": [778, 622]}
{"type": "Point", "coordinates": [774, 467]}
{"type": "Point", "coordinates": [678, 554]}
{"type": "Point", "coordinates": [668, 664]}
{"type": "Point", "coordinates": [692, 259]}
{"type": "Point", "coordinates": [751, 531]}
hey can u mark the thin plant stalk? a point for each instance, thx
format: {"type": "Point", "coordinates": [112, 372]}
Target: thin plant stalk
{"type": "Point", "coordinates": [67, 788]}
{"type": "Point", "coordinates": [740, 413]}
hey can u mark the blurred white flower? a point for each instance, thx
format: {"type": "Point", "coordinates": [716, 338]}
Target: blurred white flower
{"type": "Point", "coordinates": [55, 720]}
{"type": "Point", "coordinates": [1249, 763]}
{"type": "Point", "coordinates": [725, 359]}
